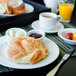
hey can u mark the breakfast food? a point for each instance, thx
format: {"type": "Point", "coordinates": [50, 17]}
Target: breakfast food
{"type": "Point", "coordinates": [71, 36]}
{"type": "Point", "coordinates": [35, 35]}
{"type": "Point", "coordinates": [27, 50]}
{"type": "Point", "coordinates": [16, 33]}
{"type": "Point", "coordinates": [17, 6]}
{"type": "Point", "coordinates": [74, 36]}
{"type": "Point", "coordinates": [13, 6]}
{"type": "Point", "coordinates": [19, 34]}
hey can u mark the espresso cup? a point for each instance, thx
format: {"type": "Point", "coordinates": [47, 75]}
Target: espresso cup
{"type": "Point", "coordinates": [48, 20]}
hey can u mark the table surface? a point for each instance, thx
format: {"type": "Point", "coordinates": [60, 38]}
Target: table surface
{"type": "Point", "coordinates": [44, 70]}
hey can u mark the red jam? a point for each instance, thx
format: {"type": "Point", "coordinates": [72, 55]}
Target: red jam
{"type": "Point", "coordinates": [35, 35]}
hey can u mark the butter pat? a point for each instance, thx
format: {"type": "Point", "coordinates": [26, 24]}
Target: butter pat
{"type": "Point", "coordinates": [11, 33]}
{"type": "Point", "coordinates": [16, 33]}
{"type": "Point", "coordinates": [19, 34]}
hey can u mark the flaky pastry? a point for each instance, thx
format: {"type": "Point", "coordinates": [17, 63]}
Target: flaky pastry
{"type": "Point", "coordinates": [27, 50]}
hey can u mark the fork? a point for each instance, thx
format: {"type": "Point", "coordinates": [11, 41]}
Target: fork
{"type": "Point", "coordinates": [61, 43]}
{"type": "Point", "coordinates": [65, 57]}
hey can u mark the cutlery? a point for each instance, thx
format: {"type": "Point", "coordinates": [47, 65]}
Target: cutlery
{"type": "Point", "coordinates": [64, 58]}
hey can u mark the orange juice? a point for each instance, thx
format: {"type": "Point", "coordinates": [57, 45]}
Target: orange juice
{"type": "Point", "coordinates": [65, 10]}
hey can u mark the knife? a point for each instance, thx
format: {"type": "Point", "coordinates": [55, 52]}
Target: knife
{"type": "Point", "coordinates": [64, 58]}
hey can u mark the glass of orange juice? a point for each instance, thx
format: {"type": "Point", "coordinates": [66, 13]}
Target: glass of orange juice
{"type": "Point", "coordinates": [65, 9]}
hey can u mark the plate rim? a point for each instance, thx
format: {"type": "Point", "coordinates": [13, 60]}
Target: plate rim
{"type": "Point", "coordinates": [15, 15]}
{"type": "Point", "coordinates": [37, 66]}
{"type": "Point", "coordinates": [32, 25]}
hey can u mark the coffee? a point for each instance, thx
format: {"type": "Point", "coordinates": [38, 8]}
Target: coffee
{"type": "Point", "coordinates": [47, 16]}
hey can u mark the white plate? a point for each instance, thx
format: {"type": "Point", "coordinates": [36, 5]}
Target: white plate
{"type": "Point", "coordinates": [52, 56]}
{"type": "Point", "coordinates": [29, 8]}
{"type": "Point", "coordinates": [35, 25]}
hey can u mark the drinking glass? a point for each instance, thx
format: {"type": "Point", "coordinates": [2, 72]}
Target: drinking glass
{"type": "Point", "coordinates": [65, 9]}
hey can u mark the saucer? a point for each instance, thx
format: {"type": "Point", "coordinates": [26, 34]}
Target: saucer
{"type": "Point", "coordinates": [35, 25]}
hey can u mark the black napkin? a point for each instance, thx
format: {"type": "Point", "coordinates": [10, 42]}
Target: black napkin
{"type": "Point", "coordinates": [69, 68]}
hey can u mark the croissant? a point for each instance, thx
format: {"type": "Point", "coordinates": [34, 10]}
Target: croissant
{"type": "Point", "coordinates": [27, 50]}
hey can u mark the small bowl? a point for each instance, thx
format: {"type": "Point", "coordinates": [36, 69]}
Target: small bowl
{"type": "Point", "coordinates": [63, 32]}
{"type": "Point", "coordinates": [15, 30]}
{"type": "Point", "coordinates": [37, 32]}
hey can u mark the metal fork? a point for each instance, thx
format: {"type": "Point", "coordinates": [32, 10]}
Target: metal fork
{"type": "Point", "coordinates": [62, 45]}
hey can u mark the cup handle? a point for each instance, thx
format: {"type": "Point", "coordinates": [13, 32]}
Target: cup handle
{"type": "Point", "coordinates": [59, 18]}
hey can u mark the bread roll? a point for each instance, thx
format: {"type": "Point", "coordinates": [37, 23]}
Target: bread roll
{"type": "Point", "coordinates": [18, 7]}
{"type": "Point", "coordinates": [26, 50]}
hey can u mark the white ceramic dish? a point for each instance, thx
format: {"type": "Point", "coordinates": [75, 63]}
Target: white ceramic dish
{"type": "Point", "coordinates": [38, 32]}
{"type": "Point", "coordinates": [63, 32]}
{"type": "Point", "coordinates": [52, 56]}
{"type": "Point", "coordinates": [14, 32]}
{"type": "Point", "coordinates": [29, 9]}
{"type": "Point", "coordinates": [35, 25]}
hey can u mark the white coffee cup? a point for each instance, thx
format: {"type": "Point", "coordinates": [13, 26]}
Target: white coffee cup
{"type": "Point", "coordinates": [48, 20]}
